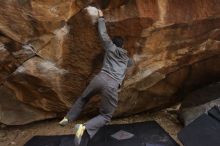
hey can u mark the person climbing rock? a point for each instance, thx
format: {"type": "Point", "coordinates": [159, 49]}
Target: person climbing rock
{"type": "Point", "coordinates": [106, 83]}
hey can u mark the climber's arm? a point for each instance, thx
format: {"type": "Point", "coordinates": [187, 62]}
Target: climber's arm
{"type": "Point", "coordinates": [106, 40]}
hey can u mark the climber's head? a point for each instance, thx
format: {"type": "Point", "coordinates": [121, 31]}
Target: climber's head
{"type": "Point", "coordinates": [118, 41]}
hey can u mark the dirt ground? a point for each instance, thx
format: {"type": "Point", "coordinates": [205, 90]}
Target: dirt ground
{"type": "Point", "coordinates": [19, 135]}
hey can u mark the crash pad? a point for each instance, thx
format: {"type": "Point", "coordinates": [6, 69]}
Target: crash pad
{"type": "Point", "coordinates": [136, 134]}
{"type": "Point", "coordinates": [204, 131]}
{"type": "Point", "coordinates": [215, 113]}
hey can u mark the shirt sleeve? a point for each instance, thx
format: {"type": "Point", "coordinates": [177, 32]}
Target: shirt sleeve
{"type": "Point", "coordinates": [106, 40]}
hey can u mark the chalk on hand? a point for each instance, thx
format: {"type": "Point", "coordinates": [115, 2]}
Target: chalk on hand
{"type": "Point", "coordinates": [93, 12]}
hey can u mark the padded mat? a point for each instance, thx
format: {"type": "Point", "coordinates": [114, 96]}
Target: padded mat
{"type": "Point", "coordinates": [137, 134]}
{"type": "Point", "coordinates": [204, 131]}
{"type": "Point", "coordinates": [215, 113]}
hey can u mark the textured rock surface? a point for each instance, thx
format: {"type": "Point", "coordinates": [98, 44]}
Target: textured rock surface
{"type": "Point", "coordinates": [50, 50]}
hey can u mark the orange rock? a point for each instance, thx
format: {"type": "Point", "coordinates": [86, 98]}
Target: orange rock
{"type": "Point", "coordinates": [50, 50]}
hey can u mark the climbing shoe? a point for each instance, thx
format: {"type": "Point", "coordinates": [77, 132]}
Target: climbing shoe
{"type": "Point", "coordinates": [64, 122]}
{"type": "Point", "coordinates": [78, 130]}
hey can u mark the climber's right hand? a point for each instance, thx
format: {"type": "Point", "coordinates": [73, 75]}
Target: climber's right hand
{"type": "Point", "coordinates": [100, 13]}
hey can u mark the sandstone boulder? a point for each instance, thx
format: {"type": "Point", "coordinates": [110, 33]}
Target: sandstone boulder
{"type": "Point", "coordinates": [50, 51]}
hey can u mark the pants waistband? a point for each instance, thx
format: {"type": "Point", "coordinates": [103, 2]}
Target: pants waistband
{"type": "Point", "coordinates": [108, 78]}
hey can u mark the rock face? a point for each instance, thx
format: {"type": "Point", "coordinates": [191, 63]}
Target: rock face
{"type": "Point", "coordinates": [49, 51]}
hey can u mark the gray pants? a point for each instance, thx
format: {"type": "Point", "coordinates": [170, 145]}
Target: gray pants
{"type": "Point", "coordinates": [106, 86]}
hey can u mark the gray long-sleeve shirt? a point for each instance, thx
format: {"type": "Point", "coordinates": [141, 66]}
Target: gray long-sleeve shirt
{"type": "Point", "coordinates": [116, 59]}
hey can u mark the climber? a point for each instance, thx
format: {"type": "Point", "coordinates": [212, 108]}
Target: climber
{"type": "Point", "coordinates": [106, 83]}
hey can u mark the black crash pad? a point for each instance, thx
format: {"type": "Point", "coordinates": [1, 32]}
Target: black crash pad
{"type": "Point", "coordinates": [215, 113]}
{"type": "Point", "coordinates": [204, 131]}
{"type": "Point", "coordinates": [137, 134]}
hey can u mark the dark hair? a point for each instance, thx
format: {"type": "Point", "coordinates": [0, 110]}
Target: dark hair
{"type": "Point", "coordinates": [118, 41]}
{"type": "Point", "coordinates": [96, 5]}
